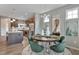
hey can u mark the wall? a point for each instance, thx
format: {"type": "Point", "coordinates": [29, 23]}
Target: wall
{"type": "Point", "coordinates": [0, 26]}
{"type": "Point", "coordinates": [61, 12]}
{"type": "Point", "coordinates": [21, 21]}
{"type": "Point", "coordinates": [4, 25]}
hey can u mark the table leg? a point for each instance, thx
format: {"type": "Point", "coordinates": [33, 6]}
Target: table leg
{"type": "Point", "coordinates": [49, 43]}
{"type": "Point", "coordinates": [47, 47]}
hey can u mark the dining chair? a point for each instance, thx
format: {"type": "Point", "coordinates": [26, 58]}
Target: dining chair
{"type": "Point", "coordinates": [61, 39]}
{"type": "Point", "coordinates": [36, 47]}
{"type": "Point", "coordinates": [59, 47]}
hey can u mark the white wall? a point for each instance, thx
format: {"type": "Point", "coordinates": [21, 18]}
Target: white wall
{"type": "Point", "coordinates": [0, 26]}
{"type": "Point", "coordinates": [4, 25]}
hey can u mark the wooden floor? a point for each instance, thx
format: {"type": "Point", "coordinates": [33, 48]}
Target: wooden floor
{"type": "Point", "coordinates": [74, 51]}
{"type": "Point", "coordinates": [15, 49]}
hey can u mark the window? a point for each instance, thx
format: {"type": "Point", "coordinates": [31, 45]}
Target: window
{"type": "Point", "coordinates": [72, 26]}
{"type": "Point", "coordinates": [71, 14]}
{"type": "Point", "coordinates": [46, 19]}
{"type": "Point", "coordinates": [46, 24]}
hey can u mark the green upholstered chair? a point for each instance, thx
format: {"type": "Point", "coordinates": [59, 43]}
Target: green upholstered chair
{"type": "Point", "coordinates": [60, 47]}
{"type": "Point", "coordinates": [30, 39]}
{"type": "Point", "coordinates": [35, 47]}
{"type": "Point", "coordinates": [60, 40]}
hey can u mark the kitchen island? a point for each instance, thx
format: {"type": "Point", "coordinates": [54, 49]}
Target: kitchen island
{"type": "Point", "coordinates": [14, 37]}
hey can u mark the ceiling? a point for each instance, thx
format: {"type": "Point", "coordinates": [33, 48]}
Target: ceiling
{"type": "Point", "coordinates": [23, 11]}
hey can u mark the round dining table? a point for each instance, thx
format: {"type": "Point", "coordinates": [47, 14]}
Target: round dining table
{"type": "Point", "coordinates": [47, 40]}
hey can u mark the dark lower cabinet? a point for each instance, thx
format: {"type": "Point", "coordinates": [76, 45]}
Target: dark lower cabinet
{"type": "Point", "coordinates": [13, 38]}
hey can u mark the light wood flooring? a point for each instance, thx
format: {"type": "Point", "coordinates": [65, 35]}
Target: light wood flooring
{"type": "Point", "coordinates": [16, 49]}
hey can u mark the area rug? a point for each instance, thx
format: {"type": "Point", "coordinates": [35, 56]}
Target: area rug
{"type": "Point", "coordinates": [27, 51]}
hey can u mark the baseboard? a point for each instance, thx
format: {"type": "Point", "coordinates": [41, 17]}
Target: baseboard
{"type": "Point", "coordinates": [74, 48]}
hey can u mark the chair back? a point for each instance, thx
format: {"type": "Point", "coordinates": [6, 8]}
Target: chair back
{"type": "Point", "coordinates": [61, 39]}
{"type": "Point", "coordinates": [59, 47]}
